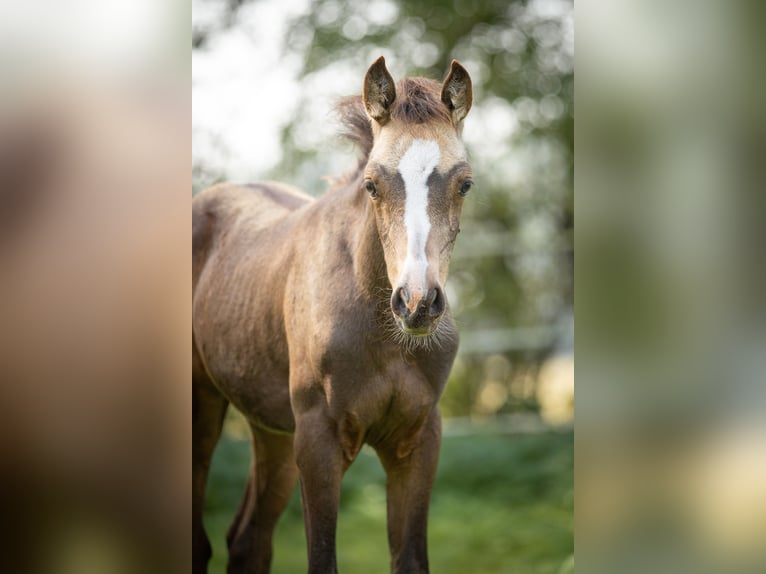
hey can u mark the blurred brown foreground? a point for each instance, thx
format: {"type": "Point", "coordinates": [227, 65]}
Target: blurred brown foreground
{"type": "Point", "coordinates": [94, 450]}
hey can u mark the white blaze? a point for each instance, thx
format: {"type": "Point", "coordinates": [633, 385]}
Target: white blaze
{"type": "Point", "coordinates": [415, 167]}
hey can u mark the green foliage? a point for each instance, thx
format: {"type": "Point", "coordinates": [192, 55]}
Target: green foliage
{"type": "Point", "coordinates": [501, 503]}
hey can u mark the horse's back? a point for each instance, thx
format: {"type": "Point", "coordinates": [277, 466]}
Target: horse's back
{"type": "Point", "coordinates": [251, 207]}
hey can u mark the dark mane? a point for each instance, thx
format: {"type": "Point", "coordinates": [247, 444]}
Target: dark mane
{"type": "Point", "coordinates": [355, 124]}
{"type": "Point", "coordinates": [418, 100]}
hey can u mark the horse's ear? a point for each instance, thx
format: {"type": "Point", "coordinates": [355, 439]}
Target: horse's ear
{"type": "Point", "coordinates": [379, 92]}
{"type": "Point", "coordinates": [457, 92]}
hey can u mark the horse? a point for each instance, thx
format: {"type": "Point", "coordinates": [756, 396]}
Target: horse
{"type": "Point", "coordinates": [325, 322]}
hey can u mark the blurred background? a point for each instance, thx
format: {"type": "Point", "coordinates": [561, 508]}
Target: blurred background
{"type": "Point", "coordinates": [671, 400]}
{"type": "Point", "coordinates": [265, 77]}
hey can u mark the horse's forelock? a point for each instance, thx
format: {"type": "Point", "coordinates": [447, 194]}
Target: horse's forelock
{"type": "Point", "coordinates": [418, 101]}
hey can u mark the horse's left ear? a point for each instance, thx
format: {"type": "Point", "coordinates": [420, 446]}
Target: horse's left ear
{"type": "Point", "coordinates": [457, 92]}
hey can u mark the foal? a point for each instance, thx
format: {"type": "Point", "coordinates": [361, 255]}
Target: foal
{"type": "Point", "coordinates": [326, 324]}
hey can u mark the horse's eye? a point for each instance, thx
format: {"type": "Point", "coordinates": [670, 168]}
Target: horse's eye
{"type": "Point", "coordinates": [370, 187]}
{"type": "Point", "coordinates": [465, 187]}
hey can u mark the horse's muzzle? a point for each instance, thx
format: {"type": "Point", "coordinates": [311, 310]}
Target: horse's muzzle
{"type": "Point", "coordinates": [418, 312]}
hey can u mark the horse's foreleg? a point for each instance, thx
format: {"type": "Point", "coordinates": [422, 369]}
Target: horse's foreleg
{"type": "Point", "coordinates": [321, 463]}
{"type": "Point", "coordinates": [269, 486]}
{"type": "Point", "coordinates": [410, 479]}
{"type": "Point", "coordinates": [208, 410]}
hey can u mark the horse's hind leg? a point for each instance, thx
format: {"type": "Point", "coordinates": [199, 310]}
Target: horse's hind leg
{"type": "Point", "coordinates": [272, 477]}
{"type": "Point", "coordinates": [208, 410]}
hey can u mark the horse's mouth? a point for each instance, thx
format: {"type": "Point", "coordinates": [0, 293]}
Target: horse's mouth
{"type": "Point", "coordinates": [425, 330]}
{"type": "Point", "coordinates": [418, 332]}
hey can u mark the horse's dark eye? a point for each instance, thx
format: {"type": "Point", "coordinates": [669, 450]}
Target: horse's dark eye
{"type": "Point", "coordinates": [465, 187]}
{"type": "Point", "coordinates": [370, 187]}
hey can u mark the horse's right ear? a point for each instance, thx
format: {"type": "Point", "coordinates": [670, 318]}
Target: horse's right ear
{"type": "Point", "coordinates": [378, 92]}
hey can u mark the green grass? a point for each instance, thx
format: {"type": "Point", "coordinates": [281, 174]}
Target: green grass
{"type": "Point", "coordinates": [501, 504]}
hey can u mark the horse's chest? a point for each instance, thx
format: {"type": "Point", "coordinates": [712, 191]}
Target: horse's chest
{"type": "Point", "coordinates": [408, 392]}
{"type": "Point", "coordinates": [388, 406]}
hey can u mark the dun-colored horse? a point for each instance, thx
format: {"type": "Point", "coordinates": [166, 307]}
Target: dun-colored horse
{"type": "Point", "coordinates": [326, 324]}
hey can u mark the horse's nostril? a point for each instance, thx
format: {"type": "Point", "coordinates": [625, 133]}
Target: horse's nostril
{"type": "Point", "coordinates": [405, 294]}
{"type": "Point", "coordinates": [399, 300]}
{"type": "Point", "coordinates": [437, 305]}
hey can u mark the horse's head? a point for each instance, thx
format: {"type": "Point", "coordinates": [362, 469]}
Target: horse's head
{"type": "Point", "coordinates": [416, 177]}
